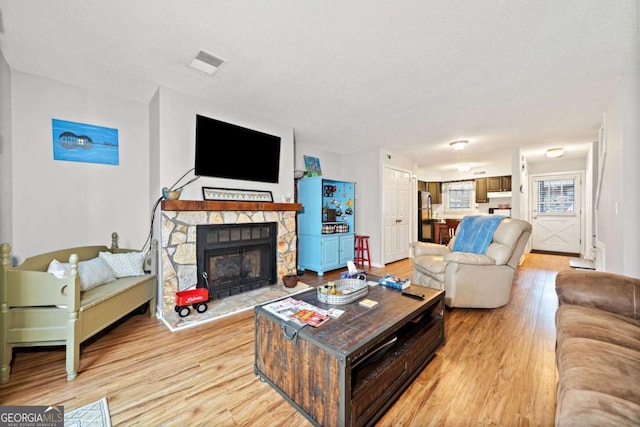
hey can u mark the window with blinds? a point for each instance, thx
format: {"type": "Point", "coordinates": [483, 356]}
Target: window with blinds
{"type": "Point", "coordinates": [460, 195]}
{"type": "Point", "coordinates": [556, 196]}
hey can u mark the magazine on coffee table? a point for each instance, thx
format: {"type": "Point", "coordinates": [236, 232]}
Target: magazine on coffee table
{"type": "Point", "coordinates": [298, 311]}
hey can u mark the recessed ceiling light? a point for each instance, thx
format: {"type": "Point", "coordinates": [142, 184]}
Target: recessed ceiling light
{"type": "Point", "coordinates": [552, 153]}
{"type": "Point", "coordinates": [206, 62]}
{"type": "Point", "coordinates": [459, 145]}
{"type": "Point", "coordinates": [464, 168]}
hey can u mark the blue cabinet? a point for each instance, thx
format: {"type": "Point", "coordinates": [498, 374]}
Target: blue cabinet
{"type": "Point", "coordinates": [325, 224]}
{"type": "Point", "coordinates": [347, 243]}
{"type": "Point", "coordinates": [330, 253]}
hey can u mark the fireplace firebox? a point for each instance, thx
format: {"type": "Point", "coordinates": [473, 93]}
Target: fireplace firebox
{"type": "Point", "coordinates": [236, 257]}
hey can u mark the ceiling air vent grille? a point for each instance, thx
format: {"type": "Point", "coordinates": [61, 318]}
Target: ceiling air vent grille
{"type": "Point", "coordinates": [206, 62]}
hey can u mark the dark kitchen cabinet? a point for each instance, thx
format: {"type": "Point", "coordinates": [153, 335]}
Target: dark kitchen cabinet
{"type": "Point", "coordinates": [481, 190]}
{"type": "Point", "coordinates": [498, 183]}
{"type": "Point", "coordinates": [435, 189]}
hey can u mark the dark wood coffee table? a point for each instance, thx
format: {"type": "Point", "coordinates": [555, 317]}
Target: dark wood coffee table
{"type": "Point", "coordinates": [349, 370]}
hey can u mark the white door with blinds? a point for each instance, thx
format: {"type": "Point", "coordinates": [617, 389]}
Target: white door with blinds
{"type": "Point", "coordinates": [556, 216]}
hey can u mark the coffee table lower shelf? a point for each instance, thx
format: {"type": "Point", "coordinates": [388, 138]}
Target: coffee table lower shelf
{"type": "Point", "coordinates": [348, 371]}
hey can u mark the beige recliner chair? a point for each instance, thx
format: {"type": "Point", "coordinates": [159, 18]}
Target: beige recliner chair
{"type": "Point", "coordinates": [473, 280]}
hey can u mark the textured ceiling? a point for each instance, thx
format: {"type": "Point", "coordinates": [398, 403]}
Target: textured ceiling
{"type": "Point", "coordinates": [408, 76]}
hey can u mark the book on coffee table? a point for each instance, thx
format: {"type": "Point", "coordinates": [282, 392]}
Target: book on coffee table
{"type": "Point", "coordinates": [394, 282]}
{"type": "Point", "coordinates": [310, 317]}
{"type": "Point", "coordinates": [368, 302]}
{"type": "Point", "coordinates": [300, 312]}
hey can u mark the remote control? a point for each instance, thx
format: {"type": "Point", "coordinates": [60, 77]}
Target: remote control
{"type": "Point", "coordinates": [412, 295]}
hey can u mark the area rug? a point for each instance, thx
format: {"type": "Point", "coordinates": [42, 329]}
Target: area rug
{"type": "Point", "coordinates": [234, 304]}
{"type": "Point", "coordinates": [95, 414]}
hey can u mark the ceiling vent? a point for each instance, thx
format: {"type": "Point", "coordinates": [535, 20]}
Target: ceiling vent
{"type": "Point", "coordinates": [206, 62]}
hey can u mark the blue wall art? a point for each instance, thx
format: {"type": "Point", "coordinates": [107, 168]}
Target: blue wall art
{"type": "Point", "coordinates": [79, 142]}
{"type": "Point", "coordinates": [313, 166]}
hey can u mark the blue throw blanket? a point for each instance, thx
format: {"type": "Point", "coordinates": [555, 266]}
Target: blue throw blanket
{"type": "Point", "coordinates": [475, 233]}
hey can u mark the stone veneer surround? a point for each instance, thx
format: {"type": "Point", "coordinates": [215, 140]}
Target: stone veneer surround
{"type": "Point", "coordinates": [178, 234]}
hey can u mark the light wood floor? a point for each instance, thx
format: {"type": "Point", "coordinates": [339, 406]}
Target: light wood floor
{"type": "Point", "coordinates": [497, 368]}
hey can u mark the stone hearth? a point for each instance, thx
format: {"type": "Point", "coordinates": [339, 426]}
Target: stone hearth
{"type": "Point", "coordinates": [178, 251]}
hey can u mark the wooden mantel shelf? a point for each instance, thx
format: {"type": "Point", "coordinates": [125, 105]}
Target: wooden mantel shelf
{"type": "Point", "coordinates": [212, 205]}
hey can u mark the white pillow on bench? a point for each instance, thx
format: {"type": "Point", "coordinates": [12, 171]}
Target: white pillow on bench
{"type": "Point", "coordinates": [94, 272]}
{"type": "Point", "coordinates": [125, 264]}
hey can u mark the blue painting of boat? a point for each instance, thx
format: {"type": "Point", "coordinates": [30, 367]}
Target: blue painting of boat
{"type": "Point", "coordinates": [79, 142]}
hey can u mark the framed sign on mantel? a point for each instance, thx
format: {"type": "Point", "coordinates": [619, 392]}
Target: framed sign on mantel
{"type": "Point", "coordinates": [235, 195]}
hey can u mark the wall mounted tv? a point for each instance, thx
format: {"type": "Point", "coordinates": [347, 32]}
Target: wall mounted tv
{"type": "Point", "coordinates": [225, 150]}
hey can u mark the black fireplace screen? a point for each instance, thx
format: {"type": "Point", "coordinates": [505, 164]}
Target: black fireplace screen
{"type": "Point", "coordinates": [236, 257]}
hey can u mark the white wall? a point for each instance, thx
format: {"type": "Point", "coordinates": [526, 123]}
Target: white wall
{"type": "Point", "coordinates": [630, 163]}
{"type": "Point", "coordinates": [366, 168]}
{"type": "Point", "coordinates": [154, 148]}
{"type": "Point", "coordinates": [175, 133]}
{"type": "Point", "coordinates": [49, 204]}
{"type": "Point", "coordinates": [425, 174]}
{"type": "Point", "coordinates": [59, 204]}
{"type": "Point", "coordinates": [520, 193]}
{"type": "Point", "coordinates": [589, 198]}
{"type": "Point", "coordinates": [619, 204]}
{"type": "Point", "coordinates": [366, 173]}
{"type": "Point", "coordinates": [559, 165]}
{"type": "Point", "coordinates": [330, 163]}
{"type": "Point", "coordinates": [6, 218]}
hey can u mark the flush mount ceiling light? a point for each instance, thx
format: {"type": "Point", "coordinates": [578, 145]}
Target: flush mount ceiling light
{"type": "Point", "coordinates": [206, 62]}
{"type": "Point", "coordinates": [552, 153]}
{"type": "Point", "coordinates": [459, 145]}
{"type": "Point", "coordinates": [464, 168]}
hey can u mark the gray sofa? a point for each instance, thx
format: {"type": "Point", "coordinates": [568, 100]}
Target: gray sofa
{"type": "Point", "coordinates": [473, 280]}
{"type": "Point", "coordinates": [597, 349]}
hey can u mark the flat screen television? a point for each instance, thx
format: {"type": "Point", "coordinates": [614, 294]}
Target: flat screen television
{"type": "Point", "coordinates": [225, 150]}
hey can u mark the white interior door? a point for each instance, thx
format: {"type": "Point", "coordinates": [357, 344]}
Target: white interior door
{"type": "Point", "coordinates": [556, 213]}
{"type": "Point", "coordinates": [396, 214]}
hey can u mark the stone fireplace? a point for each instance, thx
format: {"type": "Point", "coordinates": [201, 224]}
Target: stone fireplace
{"type": "Point", "coordinates": [236, 258]}
{"type": "Point", "coordinates": [179, 249]}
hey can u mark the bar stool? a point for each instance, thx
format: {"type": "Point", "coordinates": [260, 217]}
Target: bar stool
{"type": "Point", "coordinates": [362, 250]}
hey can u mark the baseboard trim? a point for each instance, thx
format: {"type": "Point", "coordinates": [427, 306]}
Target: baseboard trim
{"type": "Point", "coordinates": [569, 254]}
